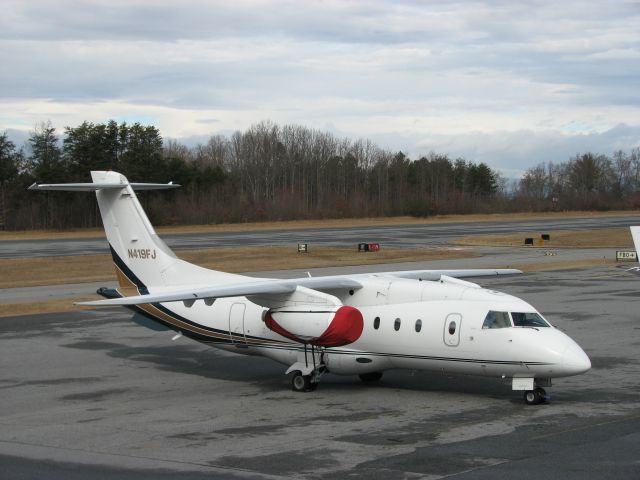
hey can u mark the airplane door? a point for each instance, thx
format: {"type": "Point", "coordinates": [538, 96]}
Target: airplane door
{"type": "Point", "coordinates": [236, 323]}
{"type": "Point", "coordinates": [452, 325]}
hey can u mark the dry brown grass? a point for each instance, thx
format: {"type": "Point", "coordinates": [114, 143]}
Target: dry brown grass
{"type": "Point", "coordinates": [67, 304]}
{"type": "Point", "coordinates": [28, 272]}
{"type": "Point", "coordinates": [611, 238]}
{"type": "Point", "coordinates": [51, 306]}
{"type": "Point", "coordinates": [31, 272]}
{"type": "Point", "coordinates": [563, 265]}
{"type": "Point", "coordinates": [303, 224]}
{"type": "Point", "coordinates": [258, 259]}
{"type": "Point", "coordinates": [24, 272]}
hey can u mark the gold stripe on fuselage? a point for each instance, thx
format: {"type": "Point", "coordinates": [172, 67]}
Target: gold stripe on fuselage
{"type": "Point", "coordinates": [129, 288]}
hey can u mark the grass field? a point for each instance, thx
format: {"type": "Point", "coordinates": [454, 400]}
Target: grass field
{"type": "Point", "coordinates": [612, 238]}
{"type": "Point", "coordinates": [29, 272]}
{"type": "Point", "coordinates": [25, 272]}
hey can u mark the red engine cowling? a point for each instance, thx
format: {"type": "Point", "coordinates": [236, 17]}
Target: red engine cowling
{"type": "Point", "coordinates": [324, 328]}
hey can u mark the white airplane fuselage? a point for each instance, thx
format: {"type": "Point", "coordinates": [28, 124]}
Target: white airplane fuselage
{"type": "Point", "coordinates": [538, 352]}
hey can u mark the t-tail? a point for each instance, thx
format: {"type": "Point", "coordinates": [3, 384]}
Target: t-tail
{"type": "Point", "coordinates": [635, 235]}
{"type": "Point", "coordinates": [142, 260]}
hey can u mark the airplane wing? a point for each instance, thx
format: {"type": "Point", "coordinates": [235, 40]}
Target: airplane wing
{"type": "Point", "coordinates": [282, 286]}
{"type": "Point", "coordinates": [259, 287]}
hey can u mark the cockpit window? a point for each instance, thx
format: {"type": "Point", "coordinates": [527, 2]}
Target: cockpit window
{"type": "Point", "coordinates": [528, 319]}
{"type": "Point", "coordinates": [496, 320]}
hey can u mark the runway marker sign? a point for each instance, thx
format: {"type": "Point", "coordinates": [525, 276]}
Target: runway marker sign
{"type": "Point", "coordinates": [622, 256]}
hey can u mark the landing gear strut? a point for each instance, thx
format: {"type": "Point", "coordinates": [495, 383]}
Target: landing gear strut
{"type": "Point", "coordinates": [535, 396]}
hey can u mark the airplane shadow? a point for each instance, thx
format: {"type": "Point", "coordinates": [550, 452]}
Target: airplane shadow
{"type": "Point", "coordinates": [266, 374]}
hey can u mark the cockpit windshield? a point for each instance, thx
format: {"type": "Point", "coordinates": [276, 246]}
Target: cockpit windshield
{"type": "Point", "coordinates": [496, 320]}
{"type": "Point", "coordinates": [528, 319]}
{"type": "Point", "coordinates": [520, 319]}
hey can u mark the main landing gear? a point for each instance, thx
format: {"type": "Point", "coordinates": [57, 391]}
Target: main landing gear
{"type": "Point", "coordinates": [536, 396]}
{"type": "Point", "coordinates": [303, 383]}
{"type": "Point", "coordinates": [305, 376]}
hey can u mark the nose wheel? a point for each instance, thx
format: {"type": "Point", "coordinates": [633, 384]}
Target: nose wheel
{"type": "Point", "coordinates": [536, 396]}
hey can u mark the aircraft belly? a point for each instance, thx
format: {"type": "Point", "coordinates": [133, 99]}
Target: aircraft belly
{"type": "Point", "coordinates": [353, 362]}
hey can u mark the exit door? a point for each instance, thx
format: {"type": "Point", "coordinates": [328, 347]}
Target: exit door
{"type": "Point", "coordinates": [452, 325]}
{"type": "Point", "coordinates": [236, 323]}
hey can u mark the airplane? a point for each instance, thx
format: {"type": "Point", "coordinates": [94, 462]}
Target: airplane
{"type": "Point", "coordinates": [359, 324]}
{"type": "Point", "coordinates": [635, 235]}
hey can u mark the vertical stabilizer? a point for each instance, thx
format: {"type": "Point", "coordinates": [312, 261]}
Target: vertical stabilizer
{"type": "Point", "coordinates": [131, 236]}
{"type": "Point", "coordinates": [635, 234]}
{"type": "Point", "coordinates": [141, 258]}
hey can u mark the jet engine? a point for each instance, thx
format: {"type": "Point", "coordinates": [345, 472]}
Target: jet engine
{"type": "Point", "coordinates": [329, 326]}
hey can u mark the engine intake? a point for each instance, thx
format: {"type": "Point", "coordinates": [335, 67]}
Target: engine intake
{"type": "Point", "coordinates": [332, 327]}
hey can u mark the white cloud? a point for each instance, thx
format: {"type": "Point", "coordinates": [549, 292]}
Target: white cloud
{"type": "Point", "coordinates": [434, 75]}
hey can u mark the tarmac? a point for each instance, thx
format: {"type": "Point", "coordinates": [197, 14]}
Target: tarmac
{"type": "Point", "coordinates": [89, 394]}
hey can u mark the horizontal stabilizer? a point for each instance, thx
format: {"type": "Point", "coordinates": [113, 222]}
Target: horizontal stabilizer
{"type": "Point", "coordinates": [92, 187]}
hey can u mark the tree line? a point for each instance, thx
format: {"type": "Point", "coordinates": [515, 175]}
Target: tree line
{"type": "Point", "coordinates": [272, 172]}
{"type": "Point", "coordinates": [585, 182]}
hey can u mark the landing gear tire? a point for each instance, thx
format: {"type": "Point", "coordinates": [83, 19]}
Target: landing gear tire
{"type": "Point", "coordinates": [302, 383]}
{"type": "Point", "coordinates": [535, 397]}
{"type": "Point", "coordinates": [370, 377]}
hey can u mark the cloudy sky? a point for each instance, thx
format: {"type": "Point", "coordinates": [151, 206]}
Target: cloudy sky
{"type": "Point", "coordinates": [508, 83]}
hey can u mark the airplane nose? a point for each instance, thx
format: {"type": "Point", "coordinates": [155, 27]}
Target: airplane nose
{"type": "Point", "coordinates": [575, 361]}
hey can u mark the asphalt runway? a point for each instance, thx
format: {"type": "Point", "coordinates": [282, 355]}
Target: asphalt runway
{"type": "Point", "coordinates": [402, 236]}
{"type": "Point", "coordinates": [92, 395]}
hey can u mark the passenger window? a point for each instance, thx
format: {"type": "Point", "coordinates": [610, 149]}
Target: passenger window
{"type": "Point", "coordinates": [396, 324]}
{"type": "Point", "coordinates": [376, 323]}
{"type": "Point", "coordinates": [418, 325]}
{"type": "Point", "coordinates": [496, 320]}
{"type": "Point", "coordinates": [529, 319]}
{"type": "Point", "coordinates": [452, 328]}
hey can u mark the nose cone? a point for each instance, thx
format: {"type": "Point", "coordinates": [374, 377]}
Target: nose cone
{"type": "Point", "coordinates": [575, 361]}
